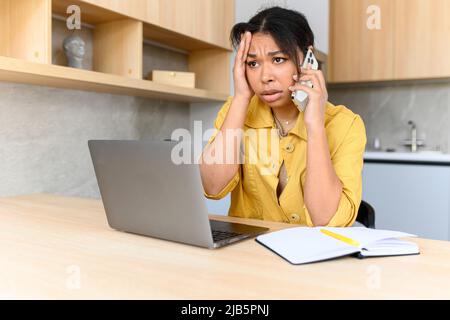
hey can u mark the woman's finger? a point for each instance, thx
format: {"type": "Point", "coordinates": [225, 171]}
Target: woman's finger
{"type": "Point", "coordinates": [322, 81]}
{"type": "Point", "coordinates": [305, 88]}
{"type": "Point", "coordinates": [318, 74]}
{"type": "Point", "coordinates": [247, 38]}
{"type": "Point", "coordinates": [240, 51]}
{"type": "Point", "coordinates": [309, 71]}
{"type": "Point", "coordinates": [314, 80]}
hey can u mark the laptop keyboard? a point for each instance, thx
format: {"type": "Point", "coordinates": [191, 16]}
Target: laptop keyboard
{"type": "Point", "coordinates": [222, 235]}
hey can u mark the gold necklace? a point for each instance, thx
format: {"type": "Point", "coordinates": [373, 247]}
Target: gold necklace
{"type": "Point", "coordinates": [279, 126]}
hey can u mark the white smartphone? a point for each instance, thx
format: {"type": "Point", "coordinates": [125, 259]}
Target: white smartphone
{"type": "Point", "coordinates": [300, 97]}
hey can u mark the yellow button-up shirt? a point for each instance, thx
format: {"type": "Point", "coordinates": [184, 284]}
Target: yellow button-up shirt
{"type": "Point", "coordinates": [254, 191]}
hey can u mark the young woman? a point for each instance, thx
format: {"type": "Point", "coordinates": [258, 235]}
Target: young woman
{"type": "Point", "coordinates": [316, 178]}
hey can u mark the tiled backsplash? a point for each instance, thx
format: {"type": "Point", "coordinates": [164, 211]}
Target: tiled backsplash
{"type": "Point", "coordinates": [386, 109]}
{"type": "Point", "coordinates": [44, 133]}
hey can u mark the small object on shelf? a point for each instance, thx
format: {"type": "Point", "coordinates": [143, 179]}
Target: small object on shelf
{"type": "Point", "coordinates": [74, 48]}
{"type": "Point", "coordinates": [175, 78]}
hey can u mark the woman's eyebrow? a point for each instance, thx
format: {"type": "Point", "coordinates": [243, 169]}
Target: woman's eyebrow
{"type": "Point", "coordinates": [253, 55]}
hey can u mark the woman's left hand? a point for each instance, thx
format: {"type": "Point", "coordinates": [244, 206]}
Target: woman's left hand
{"type": "Point", "coordinates": [318, 96]}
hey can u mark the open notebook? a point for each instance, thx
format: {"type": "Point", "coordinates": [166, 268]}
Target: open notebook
{"type": "Point", "coordinates": [303, 245]}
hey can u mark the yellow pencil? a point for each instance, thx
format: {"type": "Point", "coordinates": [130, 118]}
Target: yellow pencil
{"type": "Point", "coordinates": [340, 237]}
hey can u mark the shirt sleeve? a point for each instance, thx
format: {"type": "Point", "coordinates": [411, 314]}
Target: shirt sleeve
{"type": "Point", "coordinates": [348, 164]}
{"type": "Point", "coordinates": [218, 125]}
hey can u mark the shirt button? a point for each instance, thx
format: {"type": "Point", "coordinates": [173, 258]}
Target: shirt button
{"type": "Point", "coordinates": [295, 217]}
{"type": "Point", "coordinates": [289, 147]}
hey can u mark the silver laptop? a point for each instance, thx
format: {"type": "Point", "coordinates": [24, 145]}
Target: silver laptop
{"type": "Point", "coordinates": [145, 193]}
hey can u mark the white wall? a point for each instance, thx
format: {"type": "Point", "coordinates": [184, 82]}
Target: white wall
{"type": "Point", "coordinates": [317, 13]}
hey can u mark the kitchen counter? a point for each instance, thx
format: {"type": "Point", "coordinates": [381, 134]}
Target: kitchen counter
{"type": "Point", "coordinates": [421, 157]}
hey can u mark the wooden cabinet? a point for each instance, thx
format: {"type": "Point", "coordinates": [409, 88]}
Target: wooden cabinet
{"type": "Point", "coordinates": [413, 41]}
{"type": "Point", "coordinates": [25, 29]}
{"type": "Point", "coordinates": [358, 53]}
{"type": "Point", "coordinates": [118, 48]}
{"type": "Point", "coordinates": [200, 19]}
{"type": "Point", "coordinates": [138, 9]}
{"type": "Point", "coordinates": [198, 27]}
{"type": "Point", "coordinates": [422, 39]}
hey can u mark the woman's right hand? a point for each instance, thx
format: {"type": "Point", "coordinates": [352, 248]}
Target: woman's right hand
{"type": "Point", "coordinates": [241, 87]}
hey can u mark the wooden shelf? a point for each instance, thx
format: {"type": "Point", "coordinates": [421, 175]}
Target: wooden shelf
{"type": "Point", "coordinates": [119, 30]}
{"type": "Point", "coordinates": [95, 14]}
{"type": "Point", "coordinates": [177, 40]}
{"type": "Point", "coordinates": [22, 71]}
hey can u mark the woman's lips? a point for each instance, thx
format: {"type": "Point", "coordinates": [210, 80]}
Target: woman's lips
{"type": "Point", "coordinates": [272, 97]}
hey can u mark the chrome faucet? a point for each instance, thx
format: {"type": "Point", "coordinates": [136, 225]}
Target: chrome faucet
{"type": "Point", "coordinates": [413, 136]}
{"type": "Point", "coordinates": [413, 141]}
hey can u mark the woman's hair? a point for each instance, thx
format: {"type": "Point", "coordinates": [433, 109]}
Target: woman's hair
{"type": "Point", "coordinates": [288, 28]}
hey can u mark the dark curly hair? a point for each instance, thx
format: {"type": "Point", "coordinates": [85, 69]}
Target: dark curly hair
{"type": "Point", "coordinates": [289, 29]}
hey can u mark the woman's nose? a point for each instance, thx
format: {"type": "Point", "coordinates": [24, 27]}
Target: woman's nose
{"type": "Point", "coordinates": [267, 78]}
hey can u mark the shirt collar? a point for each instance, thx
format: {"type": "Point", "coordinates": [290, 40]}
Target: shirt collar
{"type": "Point", "coordinates": [259, 115]}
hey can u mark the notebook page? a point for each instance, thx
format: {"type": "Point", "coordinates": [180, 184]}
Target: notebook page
{"type": "Point", "coordinates": [366, 236]}
{"type": "Point", "coordinates": [303, 244]}
{"type": "Point", "coordinates": [387, 247]}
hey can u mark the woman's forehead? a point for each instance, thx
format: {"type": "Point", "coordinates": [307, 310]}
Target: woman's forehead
{"type": "Point", "coordinates": [263, 44]}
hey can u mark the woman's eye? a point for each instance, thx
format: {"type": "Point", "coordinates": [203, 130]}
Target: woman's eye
{"type": "Point", "coordinates": [279, 60]}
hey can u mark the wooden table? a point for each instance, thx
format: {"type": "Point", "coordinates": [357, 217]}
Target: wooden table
{"type": "Point", "coordinates": [59, 247]}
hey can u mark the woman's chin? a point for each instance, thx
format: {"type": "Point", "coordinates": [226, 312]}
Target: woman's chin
{"type": "Point", "coordinates": [279, 103]}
